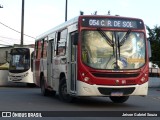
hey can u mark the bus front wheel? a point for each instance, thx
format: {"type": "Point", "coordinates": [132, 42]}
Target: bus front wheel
{"type": "Point", "coordinates": [119, 99]}
{"type": "Point", "coordinates": [64, 96]}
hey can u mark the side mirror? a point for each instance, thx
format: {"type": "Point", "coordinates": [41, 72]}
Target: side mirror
{"type": "Point", "coordinates": [75, 39]}
{"type": "Point", "coordinates": [149, 49]}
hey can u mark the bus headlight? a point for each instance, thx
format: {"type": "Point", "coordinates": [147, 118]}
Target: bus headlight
{"type": "Point", "coordinates": [86, 78]}
{"type": "Point", "coordinates": [144, 78]}
{"type": "Point", "coordinates": [25, 75]}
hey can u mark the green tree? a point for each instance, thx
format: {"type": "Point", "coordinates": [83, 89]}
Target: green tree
{"type": "Point", "coordinates": [154, 38]}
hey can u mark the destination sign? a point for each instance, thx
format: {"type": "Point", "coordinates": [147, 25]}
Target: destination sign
{"type": "Point", "coordinates": [112, 22]}
{"type": "Point", "coordinates": [19, 51]}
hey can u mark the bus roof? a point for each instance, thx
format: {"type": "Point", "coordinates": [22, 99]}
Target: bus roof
{"type": "Point", "coordinates": [74, 20]}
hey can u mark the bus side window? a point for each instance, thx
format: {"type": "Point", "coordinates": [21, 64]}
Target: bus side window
{"type": "Point", "coordinates": [73, 48]}
{"type": "Point", "coordinates": [61, 42]}
{"type": "Point", "coordinates": [43, 48]}
{"type": "Point", "coordinates": [32, 57]}
{"type": "Point", "coordinates": [38, 49]}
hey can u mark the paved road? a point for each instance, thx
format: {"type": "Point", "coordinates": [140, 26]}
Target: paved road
{"type": "Point", "coordinates": [30, 99]}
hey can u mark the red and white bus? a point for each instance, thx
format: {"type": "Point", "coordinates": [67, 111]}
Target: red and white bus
{"type": "Point", "coordinates": [93, 55]}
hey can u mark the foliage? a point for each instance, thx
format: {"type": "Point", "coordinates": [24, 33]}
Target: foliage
{"type": "Point", "coordinates": [154, 38]}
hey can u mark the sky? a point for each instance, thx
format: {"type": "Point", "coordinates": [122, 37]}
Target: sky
{"type": "Point", "coordinates": [42, 15]}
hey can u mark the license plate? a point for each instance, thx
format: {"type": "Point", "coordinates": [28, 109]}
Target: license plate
{"type": "Point", "coordinates": [117, 94]}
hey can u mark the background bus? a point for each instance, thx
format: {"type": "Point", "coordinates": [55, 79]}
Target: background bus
{"type": "Point", "coordinates": [93, 55]}
{"type": "Point", "coordinates": [20, 66]}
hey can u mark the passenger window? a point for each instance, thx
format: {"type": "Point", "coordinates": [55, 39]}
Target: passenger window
{"type": "Point", "coordinates": [38, 49]}
{"type": "Point", "coordinates": [62, 42]}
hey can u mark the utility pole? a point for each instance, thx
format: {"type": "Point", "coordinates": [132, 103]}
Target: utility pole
{"type": "Point", "coordinates": [66, 10]}
{"type": "Point", "coordinates": [22, 23]}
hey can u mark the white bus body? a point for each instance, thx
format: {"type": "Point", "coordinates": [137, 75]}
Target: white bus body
{"type": "Point", "coordinates": [20, 66]}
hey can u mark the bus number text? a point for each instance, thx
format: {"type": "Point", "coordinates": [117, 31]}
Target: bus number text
{"type": "Point", "coordinates": [111, 23]}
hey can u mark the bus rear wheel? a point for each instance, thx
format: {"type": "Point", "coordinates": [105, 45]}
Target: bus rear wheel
{"type": "Point", "coordinates": [119, 99]}
{"type": "Point", "coordinates": [64, 96]}
{"type": "Point", "coordinates": [44, 91]}
{"type": "Point", "coordinates": [31, 85]}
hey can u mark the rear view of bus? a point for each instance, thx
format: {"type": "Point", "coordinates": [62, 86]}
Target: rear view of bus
{"type": "Point", "coordinates": [20, 65]}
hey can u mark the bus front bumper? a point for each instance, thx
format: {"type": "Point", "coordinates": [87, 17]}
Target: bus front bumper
{"type": "Point", "coordinates": [84, 89]}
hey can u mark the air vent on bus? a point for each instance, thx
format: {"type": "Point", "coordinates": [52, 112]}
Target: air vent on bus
{"type": "Point", "coordinates": [108, 91]}
{"type": "Point", "coordinates": [116, 75]}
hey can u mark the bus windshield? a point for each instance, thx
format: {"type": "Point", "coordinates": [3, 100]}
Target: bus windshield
{"type": "Point", "coordinates": [113, 49]}
{"type": "Point", "coordinates": [20, 60]}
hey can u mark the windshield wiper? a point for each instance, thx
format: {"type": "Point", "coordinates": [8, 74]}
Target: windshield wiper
{"type": "Point", "coordinates": [113, 51]}
{"type": "Point", "coordinates": [119, 50]}
{"type": "Point", "coordinates": [111, 43]}
{"type": "Point", "coordinates": [125, 37]}
{"type": "Point", "coordinates": [118, 45]}
{"type": "Point", "coordinates": [102, 33]}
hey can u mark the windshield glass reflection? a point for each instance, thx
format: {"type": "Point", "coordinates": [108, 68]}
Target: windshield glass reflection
{"type": "Point", "coordinates": [113, 50]}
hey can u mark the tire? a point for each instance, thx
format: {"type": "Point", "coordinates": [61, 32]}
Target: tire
{"type": "Point", "coordinates": [117, 99]}
{"type": "Point", "coordinates": [63, 95]}
{"type": "Point", "coordinates": [44, 91]}
{"type": "Point", "coordinates": [31, 85]}
{"type": "Point", "coordinates": [53, 93]}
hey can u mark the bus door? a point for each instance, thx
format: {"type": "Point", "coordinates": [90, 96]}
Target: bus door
{"type": "Point", "coordinates": [50, 61]}
{"type": "Point", "coordinates": [73, 65]}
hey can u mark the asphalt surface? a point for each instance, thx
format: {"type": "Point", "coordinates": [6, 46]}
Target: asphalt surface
{"type": "Point", "coordinates": [30, 99]}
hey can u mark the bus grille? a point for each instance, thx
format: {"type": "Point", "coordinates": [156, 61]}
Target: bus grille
{"type": "Point", "coordinates": [108, 91]}
{"type": "Point", "coordinates": [119, 75]}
